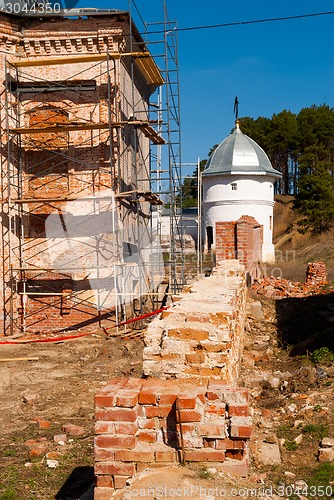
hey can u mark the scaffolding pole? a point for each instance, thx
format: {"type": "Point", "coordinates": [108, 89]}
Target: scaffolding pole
{"type": "Point", "coordinates": [52, 150]}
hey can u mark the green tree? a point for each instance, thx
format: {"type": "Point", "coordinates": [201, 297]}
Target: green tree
{"type": "Point", "coordinates": [190, 188]}
{"type": "Point", "coordinates": [315, 198]}
{"type": "Point", "coordinates": [315, 127]}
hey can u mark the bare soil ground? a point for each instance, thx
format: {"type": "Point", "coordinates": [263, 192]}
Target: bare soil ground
{"type": "Point", "coordinates": [60, 385]}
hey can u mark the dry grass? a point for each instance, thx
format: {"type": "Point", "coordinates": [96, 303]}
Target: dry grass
{"type": "Point", "coordinates": [293, 249]}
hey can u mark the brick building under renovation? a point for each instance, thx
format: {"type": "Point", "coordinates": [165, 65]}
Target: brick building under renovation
{"type": "Point", "coordinates": [76, 135]}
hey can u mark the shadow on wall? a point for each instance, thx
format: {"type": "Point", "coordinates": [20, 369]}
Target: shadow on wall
{"type": "Point", "coordinates": [306, 324]}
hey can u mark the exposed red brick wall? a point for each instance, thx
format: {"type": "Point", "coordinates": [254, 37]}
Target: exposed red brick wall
{"type": "Point", "coordinates": [316, 273]}
{"type": "Point", "coordinates": [139, 423]}
{"type": "Point", "coordinates": [66, 164]}
{"type": "Point", "coordinates": [241, 239]}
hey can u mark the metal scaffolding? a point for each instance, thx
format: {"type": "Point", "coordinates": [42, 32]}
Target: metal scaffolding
{"type": "Point", "coordinates": [166, 176]}
{"type": "Point", "coordinates": [108, 212]}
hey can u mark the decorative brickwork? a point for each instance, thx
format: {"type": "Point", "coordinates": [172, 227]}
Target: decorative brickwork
{"type": "Point", "coordinates": [144, 422]}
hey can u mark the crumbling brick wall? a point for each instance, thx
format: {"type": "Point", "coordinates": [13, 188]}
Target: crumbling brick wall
{"type": "Point", "coordinates": [241, 239]}
{"type": "Point", "coordinates": [190, 409]}
{"type": "Point", "coordinates": [143, 423]}
{"type": "Point", "coordinates": [316, 273]}
{"type": "Point", "coordinates": [201, 335]}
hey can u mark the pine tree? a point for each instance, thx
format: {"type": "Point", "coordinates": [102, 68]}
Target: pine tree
{"type": "Point", "coordinates": [315, 198]}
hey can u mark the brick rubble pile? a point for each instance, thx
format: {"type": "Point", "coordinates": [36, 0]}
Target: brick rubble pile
{"type": "Point", "coordinates": [279, 288]}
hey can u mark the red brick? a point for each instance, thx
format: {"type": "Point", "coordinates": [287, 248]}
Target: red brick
{"type": "Point", "coordinates": [185, 402]}
{"type": "Point", "coordinates": [241, 431]}
{"type": "Point", "coordinates": [204, 455]}
{"type": "Point", "coordinates": [165, 456]}
{"type": "Point", "coordinates": [188, 333]}
{"type": "Point", "coordinates": [104, 481]}
{"type": "Point", "coordinates": [38, 450]}
{"type": "Point", "coordinates": [112, 468]}
{"type": "Point", "coordinates": [151, 423]}
{"type": "Point", "coordinates": [235, 454]}
{"type": "Point", "coordinates": [157, 411]}
{"type": "Point", "coordinates": [126, 428]}
{"type": "Point", "coordinates": [216, 409]}
{"type": "Point", "coordinates": [73, 430]}
{"type": "Point", "coordinates": [147, 398]}
{"type": "Point", "coordinates": [115, 441]}
{"type": "Point", "coordinates": [134, 384]}
{"type": "Point", "coordinates": [127, 400]}
{"type": "Point", "coordinates": [238, 411]}
{"type": "Point", "coordinates": [209, 443]}
{"type": "Point", "coordinates": [147, 437]}
{"type": "Point", "coordinates": [166, 399]}
{"type": "Point", "coordinates": [116, 415]}
{"type": "Point", "coordinates": [103, 455]}
{"type": "Point", "coordinates": [211, 430]}
{"type": "Point", "coordinates": [120, 482]}
{"type": "Point", "coordinates": [42, 423]}
{"type": "Point", "coordinates": [134, 456]}
{"type": "Point", "coordinates": [104, 428]}
{"type": "Point", "coordinates": [104, 400]}
{"type": "Point", "coordinates": [212, 395]}
{"type": "Point", "coordinates": [190, 416]}
{"type": "Point", "coordinates": [230, 444]}
{"type": "Point", "coordinates": [195, 357]}
{"type": "Point", "coordinates": [188, 427]}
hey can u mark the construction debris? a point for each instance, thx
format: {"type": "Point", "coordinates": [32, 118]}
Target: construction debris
{"type": "Point", "coordinates": [278, 288]}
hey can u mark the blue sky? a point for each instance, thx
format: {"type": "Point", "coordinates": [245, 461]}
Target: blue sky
{"type": "Point", "coordinates": [269, 66]}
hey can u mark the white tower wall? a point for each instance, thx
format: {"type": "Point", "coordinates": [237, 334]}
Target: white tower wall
{"type": "Point", "coordinates": [227, 198]}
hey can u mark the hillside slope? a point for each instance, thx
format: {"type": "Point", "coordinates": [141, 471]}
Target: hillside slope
{"type": "Point", "coordinates": [287, 237]}
{"type": "Point", "coordinates": [293, 249]}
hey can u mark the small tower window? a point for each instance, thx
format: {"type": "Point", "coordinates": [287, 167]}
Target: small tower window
{"type": "Point", "coordinates": [209, 235]}
{"type": "Point", "coordinates": [234, 186]}
{"type": "Point", "coordinates": [270, 222]}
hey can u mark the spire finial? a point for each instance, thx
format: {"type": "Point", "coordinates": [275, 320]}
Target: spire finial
{"type": "Point", "coordinates": [236, 108]}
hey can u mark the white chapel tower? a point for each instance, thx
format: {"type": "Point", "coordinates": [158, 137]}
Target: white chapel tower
{"type": "Point", "coordinates": [239, 181]}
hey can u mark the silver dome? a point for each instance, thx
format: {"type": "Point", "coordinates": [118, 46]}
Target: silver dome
{"type": "Point", "coordinates": [238, 154]}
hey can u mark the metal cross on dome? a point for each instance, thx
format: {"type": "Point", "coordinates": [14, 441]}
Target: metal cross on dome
{"type": "Point", "coordinates": [236, 107]}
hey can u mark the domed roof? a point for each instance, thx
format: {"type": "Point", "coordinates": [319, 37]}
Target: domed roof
{"type": "Point", "coordinates": [238, 154]}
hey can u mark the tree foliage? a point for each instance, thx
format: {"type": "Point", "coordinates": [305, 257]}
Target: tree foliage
{"type": "Point", "coordinates": [286, 136]}
{"type": "Point", "coordinates": [301, 147]}
{"type": "Point", "coordinates": [315, 198]}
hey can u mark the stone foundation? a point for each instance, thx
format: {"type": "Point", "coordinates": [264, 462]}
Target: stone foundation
{"type": "Point", "coordinates": [154, 423]}
{"type": "Point", "coordinates": [201, 335]}
{"type": "Point", "coordinates": [189, 410]}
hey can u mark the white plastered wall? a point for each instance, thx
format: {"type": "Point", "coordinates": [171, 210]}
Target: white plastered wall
{"type": "Point", "coordinates": [253, 196]}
